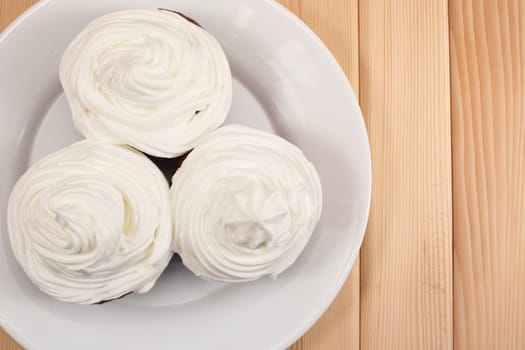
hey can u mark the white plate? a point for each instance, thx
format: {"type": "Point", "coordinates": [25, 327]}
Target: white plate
{"type": "Point", "coordinates": [286, 81]}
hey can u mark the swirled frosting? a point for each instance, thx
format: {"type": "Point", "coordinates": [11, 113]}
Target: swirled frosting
{"type": "Point", "coordinates": [148, 78]}
{"type": "Point", "coordinates": [245, 204]}
{"type": "Point", "coordinates": [91, 222]}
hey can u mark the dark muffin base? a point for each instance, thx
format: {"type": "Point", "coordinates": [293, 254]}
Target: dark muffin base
{"type": "Point", "coordinates": [189, 19]}
{"type": "Point", "coordinates": [168, 166]}
{"type": "Point", "coordinates": [110, 300]}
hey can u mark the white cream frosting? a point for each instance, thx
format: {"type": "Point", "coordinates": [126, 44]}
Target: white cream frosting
{"type": "Point", "coordinates": [91, 222]}
{"type": "Point", "coordinates": [140, 76]}
{"type": "Point", "coordinates": [245, 204]}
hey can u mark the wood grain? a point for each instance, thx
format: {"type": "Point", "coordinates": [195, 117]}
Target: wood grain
{"type": "Point", "coordinates": [7, 343]}
{"type": "Point", "coordinates": [487, 47]}
{"type": "Point", "coordinates": [406, 259]}
{"type": "Point", "coordinates": [9, 11]}
{"type": "Point", "coordinates": [336, 23]}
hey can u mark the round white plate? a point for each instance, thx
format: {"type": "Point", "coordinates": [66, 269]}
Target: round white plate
{"type": "Point", "coordinates": [286, 81]}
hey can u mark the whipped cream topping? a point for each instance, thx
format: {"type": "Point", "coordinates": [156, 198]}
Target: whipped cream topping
{"type": "Point", "coordinates": [245, 204]}
{"type": "Point", "coordinates": [91, 222]}
{"type": "Point", "coordinates": [148, 78]}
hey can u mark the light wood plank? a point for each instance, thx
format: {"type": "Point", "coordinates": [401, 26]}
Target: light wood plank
{"type": "Point", "coordinates": [7, 343]}
{"type": "Point", "coordinates": [336, 23]}
{"type": "Point", "coordinates": [487, 41]}
{"type": "Point", "coordinates": [11, 9]}
{"type": "Point", "coordinates": [406, 258]}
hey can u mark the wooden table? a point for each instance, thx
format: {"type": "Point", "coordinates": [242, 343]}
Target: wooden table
{"type": "Point", "coordinates": [442, 88]}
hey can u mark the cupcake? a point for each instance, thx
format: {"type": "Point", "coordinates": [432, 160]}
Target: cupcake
{"type": "Point", "coordinates": [149, 78]}
{"type": "Point", "coordinates": [91, 222]}
{"type": "Point", "coordinates": [245, 204]}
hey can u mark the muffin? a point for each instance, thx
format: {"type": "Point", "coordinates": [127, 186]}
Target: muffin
{"type": "Point", "coordinates": [91, 222]}
{"type": "Point", "coordinates": [149, 78]}
{"type": "Point", "coordinates": [245, 204]}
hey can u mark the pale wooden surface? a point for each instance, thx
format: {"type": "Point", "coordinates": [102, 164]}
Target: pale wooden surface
{"type": "Point", "coordinates": [406, 258]}
{"type": "Point", "coordinates": [488, 108]}
{"type": "Point", "coordinates": [403, 294]}
{"type": "Point", "coordinates": [9, 10]}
